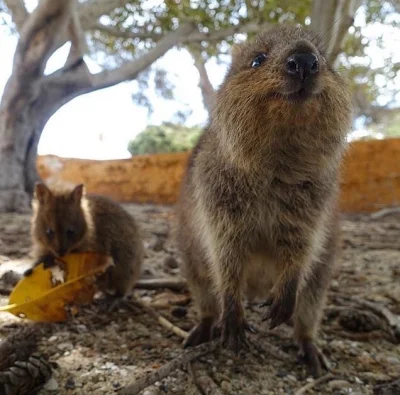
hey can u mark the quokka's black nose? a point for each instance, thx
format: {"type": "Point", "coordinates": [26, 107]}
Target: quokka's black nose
{"type": "Point", "coordinates": [302, 65]}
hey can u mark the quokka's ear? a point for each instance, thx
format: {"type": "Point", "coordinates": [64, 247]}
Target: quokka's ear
{"type": "Point", "coordinates": [235, 48]}
{"type": "Point", "coordinates": [42, 193]}
{"type": "Point", "coordinates": [77, 193]}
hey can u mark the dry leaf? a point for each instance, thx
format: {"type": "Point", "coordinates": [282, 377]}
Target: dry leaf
{"type": "Point", "coordinates": [49, 295]}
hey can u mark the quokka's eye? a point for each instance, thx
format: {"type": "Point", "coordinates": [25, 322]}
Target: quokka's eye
{"type": "Point", "coordinates": [70, 232]}
{"type": "Point", "coordinates": [258, 60]}
{"type": "Point", "coordinates": [49, 233]}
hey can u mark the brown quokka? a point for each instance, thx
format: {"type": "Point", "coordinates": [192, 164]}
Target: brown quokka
{"type": "Point", "coordinates": [67, 221]}
{"type": "Point", "coordinates": [257, 213]}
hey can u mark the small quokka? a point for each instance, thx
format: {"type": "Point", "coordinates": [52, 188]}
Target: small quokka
{"type": "Point", "coordinates": [257, 214]}
{"type": "Point", "coordinates": [67, 221]}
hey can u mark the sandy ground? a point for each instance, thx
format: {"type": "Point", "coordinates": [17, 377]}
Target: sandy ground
{"type": "Point", "coordinates": [101, 353]}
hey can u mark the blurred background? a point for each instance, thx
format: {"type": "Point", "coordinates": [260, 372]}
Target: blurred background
{"type": "Point", "coordinates": [123, 78]}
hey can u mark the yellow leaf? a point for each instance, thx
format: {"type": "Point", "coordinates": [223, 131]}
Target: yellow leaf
{"type": "Point", "coordinates": [52, 294]}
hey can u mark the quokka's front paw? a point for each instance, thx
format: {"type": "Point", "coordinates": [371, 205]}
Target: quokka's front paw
{"type": "Point", "coordinates": [47, 260]}
{"type": "Point", "coordinates": [233, 335]}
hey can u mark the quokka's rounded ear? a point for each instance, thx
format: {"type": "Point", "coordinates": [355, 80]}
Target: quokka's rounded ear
{"type": "Point", "coordinates": [235, 50]}
{"type": "Point", "coordinates": [77, 193]}
{"type": "Point", "coordinates": [42, 193]}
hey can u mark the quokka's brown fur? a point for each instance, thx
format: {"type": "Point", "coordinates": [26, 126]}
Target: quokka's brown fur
{"type": "Point", "coordinates": [67, 221]}
{"type": "Point", "coordinates": [257, 213]}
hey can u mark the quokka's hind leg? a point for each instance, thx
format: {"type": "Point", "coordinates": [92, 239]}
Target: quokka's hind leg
{"type": "Point", "coordinates": [207, 306]}
{"type": "Point", "coordinates": [309, 309]}
{"type": "Point", "coordinates": [120, 279]}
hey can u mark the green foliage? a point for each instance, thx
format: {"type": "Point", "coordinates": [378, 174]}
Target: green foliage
{"type": "Point", "coordinates": [168, 137]}
{"type": "Point", "coordinates": [392, 128]}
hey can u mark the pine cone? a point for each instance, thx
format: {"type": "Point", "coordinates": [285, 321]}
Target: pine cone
{"type": "Point", "coordinates": [392, 388]}
{"type": "Point", "coordinates": [25, 378]}
{"type": "Point", "coordinates": [18, 347]}
{"type": "Point", "coordinates": [22, 372]}
{"type": "Point", "coordinates": [360, 321]}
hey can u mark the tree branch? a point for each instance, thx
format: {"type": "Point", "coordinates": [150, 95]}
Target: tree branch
{"type": "Point", "coordinates": [34, 48]}
{"type": "Point", "coordinates": [130, 70]}
{"type": "Point", "coordinates": [332, 19]}
{"type": "Point", "coordinates": [185, 357]}
{"type": "Point", "coordinates": [38, 36]}
{"type": "Point", "coordinates": [212, 35]}
{"type": "Point", "coordinates": [71, 82]}
{"type": "Point", "coordinates": [207, 90]}
{"type": "Point", "coordinates": [89, 12]}
{"type": "Point", "coordinates": [77, 35]}
{"type": "Point", "coordinates": [377, 114]}
{"type": "Point", "coordinates": [396, 5]}
{"type": "Point", "coordinates": [18, 12]}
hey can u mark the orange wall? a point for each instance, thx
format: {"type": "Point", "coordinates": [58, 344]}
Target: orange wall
{"type": "Point", "coordinates": [370, 178]}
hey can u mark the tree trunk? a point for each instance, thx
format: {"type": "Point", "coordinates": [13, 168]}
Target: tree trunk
{"type": "Point", "coordinates": [14, 143]}
{"type": "Point", "coordinates": [19, 139]}
{"type": "Point", "coordinates": [21, 121]}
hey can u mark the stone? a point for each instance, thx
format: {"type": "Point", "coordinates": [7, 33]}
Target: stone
{"type": "Point", "coordinates": [51, 385]}
{"type": "Point", "coordinates": [339, 384]}
{"type": "Point", "coordinates": [65, 346]}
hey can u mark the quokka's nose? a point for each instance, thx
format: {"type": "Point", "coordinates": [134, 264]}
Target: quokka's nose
{"type": "Point", "coordinates": [302, 65]}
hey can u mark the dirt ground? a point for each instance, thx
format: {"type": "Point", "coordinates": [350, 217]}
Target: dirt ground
{"type": "Point", "coordinates": [101, 353]}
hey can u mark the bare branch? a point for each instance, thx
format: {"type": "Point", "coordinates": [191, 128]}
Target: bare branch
{"type": "Point", "coordinates": [332, 19]}
{"type": "Point", "coordinates": [89, 13]}
{"type": "Point", "coordinates": [377, 114]}
{"type": "Point", "coordinates": [207, 90]}
{"type": "Point", "coordinates": [159, 283]}
{"type": "Point", "coordinates": [131, 70]}
{"type": "Point", "coordinates": [77, 35]}
{"type": "Point", "coordinates": [161, 320]}
{"type": "Point", "coordinates": [314, 383]}
{"type": "Point", "coordinates": [18, 11]}
{"type": "Point", "coordinates": [38, 36]}
{"type": "Point", "coordinates": [76, 82]}
{"type": "Point", "coordinates": [396, 5]}
{"type": "Point", "coordinates": [212, 35]}
{"type": "Point", "coordinates": [185, 357]}
{"type": "Point", "coordinates": [34, 48]}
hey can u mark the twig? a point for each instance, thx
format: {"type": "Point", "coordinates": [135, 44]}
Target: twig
{"type": "Point", "coordinates": [157, 283]}
{"type": "Point", "coordinates": [161, 320]}
{"type": "Point", "coordinates": [384, 212]}
{"type": "Point", "coordinates": [204, 383]}
{"type": "Point", "coordinates": [361, 337]}
{"type": "Point", "coordinates": [311, 385]}
{"type": "Point", "coordinates": [270, 349]}
{"type": "Point", "coordinates": [169, 367]}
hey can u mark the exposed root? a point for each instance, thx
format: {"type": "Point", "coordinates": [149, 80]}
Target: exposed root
{"type": "Point", "coordinates": [157, 283]}
{"type": "Point", "coordinates": [386, 211]}
{"type": "Point", "coordinates": [204, 383]}
{"type": "Point", "coordinates": [308, 386]}
{"type": "Point", "coordinates": [150, 378]}
{"type": "Point", "coordinates": [161, 320]}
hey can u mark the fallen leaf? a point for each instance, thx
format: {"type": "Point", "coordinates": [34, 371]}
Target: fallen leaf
{"type": "Point", "coordinates": [52, 294]}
